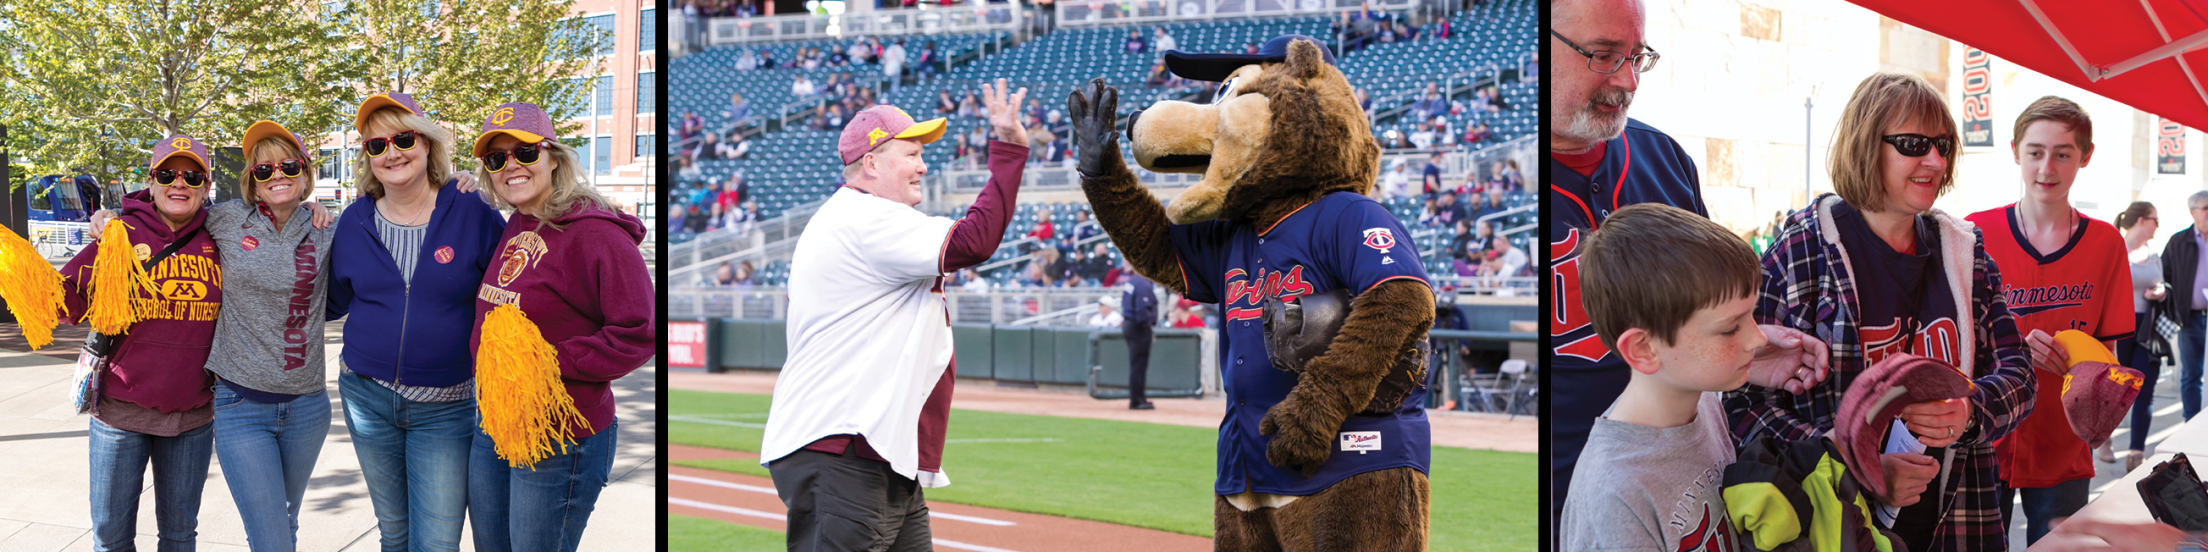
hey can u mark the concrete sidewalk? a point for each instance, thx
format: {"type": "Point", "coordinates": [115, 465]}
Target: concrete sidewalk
{"type": "Point", "coordinates": [43, 504]}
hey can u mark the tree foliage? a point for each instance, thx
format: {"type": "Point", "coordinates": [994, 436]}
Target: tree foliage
{"type": "Point", "coordinates": [93, 84]}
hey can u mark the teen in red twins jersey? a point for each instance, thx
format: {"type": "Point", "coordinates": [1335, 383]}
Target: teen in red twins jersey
{"type": "Point", "coordinates": [2059, 271]}
{"type": "Point", "coordinates": [569, 261]}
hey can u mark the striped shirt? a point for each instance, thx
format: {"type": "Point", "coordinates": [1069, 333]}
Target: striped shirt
{"type": "Point", "coordinates": [405, 243]}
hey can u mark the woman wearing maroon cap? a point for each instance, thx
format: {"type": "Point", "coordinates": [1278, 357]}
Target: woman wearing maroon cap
{"type": "Point", "coordinates": [402, 271]}
{"type": "Point", "coordinates": [568, 309]}
{"type": "Point", "coordinates": [153, 404]}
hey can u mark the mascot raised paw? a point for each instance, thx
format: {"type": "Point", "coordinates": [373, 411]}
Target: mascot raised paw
{"type": "Point", "coordinates": [1324, 446]}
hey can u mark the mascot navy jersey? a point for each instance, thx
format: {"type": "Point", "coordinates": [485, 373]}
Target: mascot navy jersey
{"type": "Point", "coordinates": [1643, 165]}
{"type": "Point", "coordinates": [1343, 240]}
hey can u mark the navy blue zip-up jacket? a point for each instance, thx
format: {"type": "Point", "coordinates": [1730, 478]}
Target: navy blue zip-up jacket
{"type": "Point", "coordinates": [413, 333]}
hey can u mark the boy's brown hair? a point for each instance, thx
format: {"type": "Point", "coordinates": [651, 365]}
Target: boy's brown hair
{"type": "Point", "coordinates": [1857, 143]}
{"type": "Point", "coordinates": [2066, 112]}
{"type": "Point", "coordinates": [1650, 266]}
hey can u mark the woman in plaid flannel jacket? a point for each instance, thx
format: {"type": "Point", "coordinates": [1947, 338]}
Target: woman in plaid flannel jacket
{"type": "Point", "coordinates": [1810, 285]}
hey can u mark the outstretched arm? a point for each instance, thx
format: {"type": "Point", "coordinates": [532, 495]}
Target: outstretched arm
{"type": "Point", "coordinates": [1128, 213]}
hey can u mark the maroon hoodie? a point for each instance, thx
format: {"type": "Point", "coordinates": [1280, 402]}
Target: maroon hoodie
{"type": "Point", "coordinates": [162, 363]}
{"type": "Point", "coordinates": [586, 288]}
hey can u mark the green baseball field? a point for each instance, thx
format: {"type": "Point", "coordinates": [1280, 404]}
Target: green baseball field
{"type": "Point", "coordinates": [1129, 473]}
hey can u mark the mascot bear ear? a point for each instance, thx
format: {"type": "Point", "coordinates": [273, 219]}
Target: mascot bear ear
{"type": "Point", "coordinates": [1305, 60]}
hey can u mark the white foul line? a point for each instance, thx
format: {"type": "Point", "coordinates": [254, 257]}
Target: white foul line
{"type": "Point", "coordinates": [696, 420]}
{"type": "Point", "coordinates": [729, 509]}
{"type": "Point", "coordinates": [765, 490]}
{"type": "Point", "coordinates": [964, 546]}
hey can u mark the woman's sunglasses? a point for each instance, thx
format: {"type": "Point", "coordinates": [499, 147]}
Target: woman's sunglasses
{"type": "Point", "coordinates": [1916, 145]}
{"type": "Point", "coordinates": [376, 146]}
{"type": "Point", "coordinates": [526, 154]}
{"type": "Point", "coordinates": [192, 179]}
{"type": "Point", "coordinates": [265, 171]}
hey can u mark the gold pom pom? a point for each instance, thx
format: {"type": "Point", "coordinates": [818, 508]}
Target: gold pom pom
{"type": "Point", "coordinates": [526, 410]}
{"type": "Point", "coordinates": [117, 277]}
{"type": "Point", "coordinates": [32, 289]}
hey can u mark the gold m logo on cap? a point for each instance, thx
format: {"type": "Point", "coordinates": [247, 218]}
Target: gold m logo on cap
{"type": "Point", "coordinates": [504, 115]}
{"type": "Point", "coordinates": [181, 143]}
{"type": "Point", "coordinates": [874, 137]}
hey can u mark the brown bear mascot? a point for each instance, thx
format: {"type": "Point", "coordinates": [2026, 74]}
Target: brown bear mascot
{"type": "Point", "coordinates": [1333, 455]}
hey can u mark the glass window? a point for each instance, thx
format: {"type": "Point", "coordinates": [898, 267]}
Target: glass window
{"type": "Point", "coordinates": [603, 147]}
{"type": "Point", "coordinates": [605, 96]}
{"type": "Point", "coordinates": [645, 144]}
{"type": "Point", "coordinates": [647, 30]}
{"type": "Point", "coordinates": [645, 91]}
{"type": "Point", "coordinates": [605, 40]}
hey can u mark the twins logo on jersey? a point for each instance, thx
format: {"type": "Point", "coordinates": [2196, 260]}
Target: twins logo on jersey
{"type": "Point", "coordinates": [2033, 300]}
{"type": "Point", "coordinates": [1569, 328]}
{"type": "Point", "coordinates": [1938, 340]}
{"type": "Point", "coordinates": [1254, 291]}
{"type": "Point", "coordinates": [1711, 536]}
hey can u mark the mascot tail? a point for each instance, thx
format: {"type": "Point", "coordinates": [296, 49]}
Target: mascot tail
{"type": "Point", "coordinates": [526, 411]}
{"type": "Point", "coordinates": [116, 278]}
{"type": "Point", "coordinates": [32, 289]}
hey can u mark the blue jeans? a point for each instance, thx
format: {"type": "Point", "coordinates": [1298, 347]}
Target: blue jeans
{"type": "Point", "coordinates": [2188, 363]}
{"type": "Point", "coordinates": [2042, 506]}
{"type": "Point", "coordinates": [541, 509]}
{"type": "Point", "coordinates": [414, 456]}
{"type": "Point", "coordinates": [268, 453]}
{"type": "Point", "coordinates": [119, 460]}
{"type": "Point", "coordinates": [2142, 410]}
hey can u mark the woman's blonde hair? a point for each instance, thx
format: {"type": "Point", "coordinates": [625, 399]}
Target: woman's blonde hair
{"type": "Point", "coordinates": [282, 149]}
{"type": "Point", "coordinates": [1884, 98]}
{"type": "Point", "coordinates": [434, 137]}
{"type": "Point", "coordinates": [568, 186]}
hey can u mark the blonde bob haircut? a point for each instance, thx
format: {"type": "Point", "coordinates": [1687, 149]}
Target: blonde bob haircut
{"type": "Point", "coordinates": [1884, 100]}
{"type": "Point", "coordinates": [428, 135]}
{"type": "Point", "coordinates": [276, 148]}
{"type": "Point", "coordinates": [568, 187]}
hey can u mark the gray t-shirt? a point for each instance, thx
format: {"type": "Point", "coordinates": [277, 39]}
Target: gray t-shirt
{"type": "Point", "coordinates": [1652, 489]}
{"type": "Point", "coordinates": [405, 243]}
{"type": "Point", "coordinates": [2145, 274]}
{"type": "Point", "coordinates": [268, 337]}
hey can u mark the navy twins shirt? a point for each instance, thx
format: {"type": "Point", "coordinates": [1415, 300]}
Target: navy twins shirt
{"type": "Point", "coordinates": [1343, 240]}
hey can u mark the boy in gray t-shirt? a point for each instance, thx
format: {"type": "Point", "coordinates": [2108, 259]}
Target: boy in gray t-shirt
{"type": "Point", "coordinates": [1673, 294]}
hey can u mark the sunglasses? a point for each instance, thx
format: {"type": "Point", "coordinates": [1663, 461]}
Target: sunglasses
{"type": "Point", "coordinates": [265, 171]}
{"type": "Point", "coordinates": [1916, 145]}
{"type": "Point", "coordinates": [192, 179]}
{"type": "Point", "coordinates": [376, 146]}
{"type": "Point", "coordinates": [526, 154]}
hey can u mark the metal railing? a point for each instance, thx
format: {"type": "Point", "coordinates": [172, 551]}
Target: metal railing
{"type": "Point", "coordinates": [1091, 13]}
{"type": "Point", "coordinates": [922, 19]}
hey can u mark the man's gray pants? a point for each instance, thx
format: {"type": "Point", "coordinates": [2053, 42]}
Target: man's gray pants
{"type": "Point", "coordinates": [847, 503]}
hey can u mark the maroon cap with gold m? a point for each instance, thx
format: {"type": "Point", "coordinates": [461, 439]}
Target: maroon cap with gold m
{"type": "Point", "coordinates": [522, 120]}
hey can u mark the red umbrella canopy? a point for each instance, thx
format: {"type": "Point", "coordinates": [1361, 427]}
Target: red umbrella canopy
{"type": "Point", "coordinates": [2123, 50]}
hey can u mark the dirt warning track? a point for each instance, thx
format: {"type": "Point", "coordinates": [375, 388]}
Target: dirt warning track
{"type": "Point", "coordinates": [751, 500]}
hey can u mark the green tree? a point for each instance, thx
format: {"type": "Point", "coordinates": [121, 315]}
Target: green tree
{"type": "Point", "coordinates": [461, 58]}
{"type": "Point", "coordinates": [97, 82]}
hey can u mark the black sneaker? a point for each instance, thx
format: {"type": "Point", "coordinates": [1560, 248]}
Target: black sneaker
{"type": "Point", "coordinates": [1144, 405]}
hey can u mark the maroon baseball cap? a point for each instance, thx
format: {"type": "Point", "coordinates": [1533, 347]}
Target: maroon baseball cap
{"type": "Point", "coordinates": [2096, 396]}
{"type": "Point", "coordinates": [401, 100]}
{"type": "Point", "coordinates": [522, 120]}
{"type": "Point", "coordinates": [873, 126]}
{"type": "Point", "coordinates": [1876, 397]}
{"type": "Point", "coordinates": [263, 130]}
{"type": "Point", "coordinates": [175, 145]}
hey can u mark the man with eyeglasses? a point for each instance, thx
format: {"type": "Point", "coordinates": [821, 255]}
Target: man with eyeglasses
{"type": "Point", "coordinates": [1600, 161]}
{"type": "Point", "coordinates": [2182, 268]}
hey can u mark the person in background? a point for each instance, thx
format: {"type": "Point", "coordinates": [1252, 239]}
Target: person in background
{"type": "Point", "coordinates": [1105, 316]}
{"type": "Point", "coordinates": [1139, 326]}
{"type": "Point", "coordinates": [2181, 257]}
{"type": "Point", "coordinates": [2147, 349]}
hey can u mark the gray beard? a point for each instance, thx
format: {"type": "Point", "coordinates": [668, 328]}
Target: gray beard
{"type": "Point", "coordinates": [1586, 125]}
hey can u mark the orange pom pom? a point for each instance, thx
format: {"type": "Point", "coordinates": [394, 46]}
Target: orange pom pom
{"type": "Point", "coordinates": [525, 409]}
